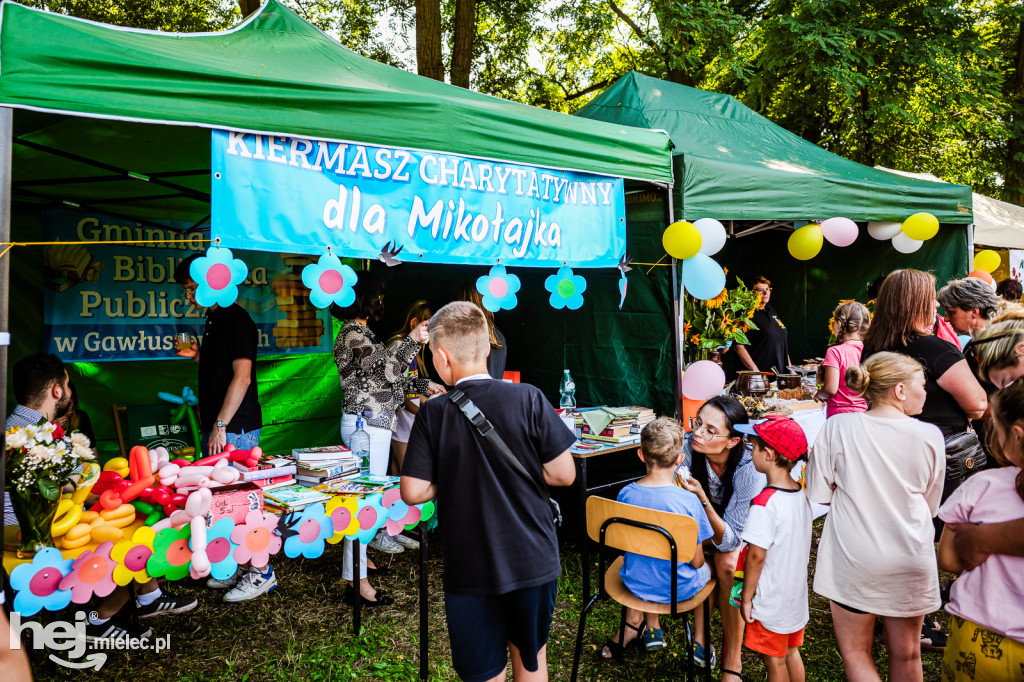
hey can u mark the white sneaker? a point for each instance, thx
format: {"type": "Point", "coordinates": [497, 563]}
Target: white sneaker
{"type": "Point", "coordinates": [406, 541]}
{"type": "Point", "coordinates": [252, 584]}
{"type": "Point", "coordinates": [226, 583]}
{"type": "Point", "coordinates": [385, 543]}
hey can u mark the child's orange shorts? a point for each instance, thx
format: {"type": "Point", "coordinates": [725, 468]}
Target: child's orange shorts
{"type": "Point", "coordinates": [762, 640]}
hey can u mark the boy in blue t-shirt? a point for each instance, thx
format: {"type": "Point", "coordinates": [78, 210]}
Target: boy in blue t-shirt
{"type": "Point", "coordinates": [661, 449]}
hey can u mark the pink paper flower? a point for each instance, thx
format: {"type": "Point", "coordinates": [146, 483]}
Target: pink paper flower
{"type": "Point", "coordinates": [256, 539]}
{"type": "Point", "coordinates": [400, 515]}
{"type": "Point", "coordinates": [92, 574]}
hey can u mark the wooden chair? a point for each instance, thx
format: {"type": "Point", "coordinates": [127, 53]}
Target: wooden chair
{"type": "Point", "coordinates": [652, 533]}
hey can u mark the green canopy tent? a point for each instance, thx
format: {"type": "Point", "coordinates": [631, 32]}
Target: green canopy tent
{"type": "Point", "coordinates": [117, 121]}
{"type": "Point", "coordinates": [738, 167]}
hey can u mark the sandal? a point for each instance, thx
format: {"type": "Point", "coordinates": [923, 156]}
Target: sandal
{"type": "Point", "coordinates": [615, 650]}
{"type": "Point", "coordinates": [731, 672]}
{"type": "Point", "coordinates": [654, 639]}
{"type": "Point", "coordinates": [932, 639]}
{"type": "Point", "coordinates": [379, 599]}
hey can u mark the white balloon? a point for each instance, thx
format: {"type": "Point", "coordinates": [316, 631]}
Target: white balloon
{"type": "Point", "coordinates": [712, 235]}
{"type": "Point", "coordinates": [883, 231]}
{"type": "Point", "coordinates": [905, 244]}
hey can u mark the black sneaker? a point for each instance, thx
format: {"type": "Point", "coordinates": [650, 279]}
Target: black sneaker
{"type": "Point", "coordinates": [110, 631]}
{"type": "Point", "coordinates": [165, 604]}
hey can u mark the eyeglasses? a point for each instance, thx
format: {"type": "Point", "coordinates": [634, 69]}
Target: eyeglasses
{"type": "Point", "coordinates": [766, 290]}
{"type": "Point", "coordinates": [709, 431]}
{"type": "Point", "coordinates": [189, 291]}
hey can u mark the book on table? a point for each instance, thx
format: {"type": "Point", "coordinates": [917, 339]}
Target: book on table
{"type": "Point", "coordinates": [271, 472]}
{"type": "Point", "coordinates": [611, 431]}
{"type": "Point", "coordinates": [614, 440]}
{"type": "Point", "coordinates": [329, 468]}
{"type": "Point", "coordinates": [294, 498]}
{"type": "Point", "coordinates": [276, 482]}
{"type": "Point", "coordinates": [321, 453]}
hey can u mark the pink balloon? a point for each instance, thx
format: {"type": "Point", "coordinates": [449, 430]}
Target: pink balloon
{"type": "Point", "coordinates": [703, 380]}
{"type": "Point", "coordinates": [839, 231]}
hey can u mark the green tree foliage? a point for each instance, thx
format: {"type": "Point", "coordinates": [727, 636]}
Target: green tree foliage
{"type": "Point", "coordinates": [186, 16]}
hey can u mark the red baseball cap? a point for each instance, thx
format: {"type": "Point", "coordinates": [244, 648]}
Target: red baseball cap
{"type": "Point", "coordinates": [782, 434]}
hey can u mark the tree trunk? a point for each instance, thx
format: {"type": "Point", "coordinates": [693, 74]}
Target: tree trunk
{"type": "Point", "coordinates": [248, 7]}
{"type": "Point", "coordinates": [465, 32]}
{"type": "Point", "coordinates": [428, 39]}
{"type": "Point", "coordinates": [1013, 173]}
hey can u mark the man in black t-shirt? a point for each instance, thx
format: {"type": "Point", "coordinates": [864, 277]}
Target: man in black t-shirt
{"type": "Point", "coordinates": [229, 405]}
{"type": "Point", "coordinates": [500, 549]}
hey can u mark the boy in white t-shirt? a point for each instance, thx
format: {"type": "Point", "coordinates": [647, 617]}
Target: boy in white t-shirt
{"type": "Point", "coordinates": [778, 537]}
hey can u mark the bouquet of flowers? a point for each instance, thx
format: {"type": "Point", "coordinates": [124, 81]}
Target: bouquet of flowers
{"type": "Point", "coordinates": [39, 462]}
{"type": "Point", "coordinates": [711, 324]}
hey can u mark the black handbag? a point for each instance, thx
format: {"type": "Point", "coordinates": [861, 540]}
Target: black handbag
{"type": "Point", "coordinates": [964, 455]}
{"type": "Point", "coordinates": [486, 429]}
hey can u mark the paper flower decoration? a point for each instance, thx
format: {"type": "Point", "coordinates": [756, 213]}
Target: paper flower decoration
{"type": "Point", "coordinates": [171, 553]}
{"type": "Point", "coordinates": [92, 574]}
{"type": "Point", "coordinates": [132, 555]}
{"type": "Point", "coordinates": [427, 510]}
{"type": "Point", "coordinates": [313, 528]}
{"type": "Point", "coordinates": [255, 540]}
{"type": "Point", "coordinates": [37, 584]}
{"type": "Point", "coordinates": [400, 515]}
{"type": "Point", "coordinates": [342, 510]}
{"type": "Point", "coordinates": [498, 289]}
{"type": "Point", "coordinates": [566, 289]}
{"type": "Point", "coordinates": [329, 281]}
{"type": "Point", "coordinates": [217, 276]}
{"type": "Point", "coordinates": [219, 549]}
{"type": "Point", "coordinates": [371, 516]}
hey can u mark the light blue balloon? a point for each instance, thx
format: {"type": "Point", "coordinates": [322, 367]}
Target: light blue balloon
{"type": "Point", "coordinates": [703, 277]}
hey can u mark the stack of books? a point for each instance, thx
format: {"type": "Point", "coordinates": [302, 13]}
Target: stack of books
{"type": "Point", "coordinates": [358, 485]}
{"type": "Point", "coordinates": [316, 466]}
{"type": "Point", "coordinates": [291, 498]}
{"type": "Point", "coordinates": [617, 425]}
{"type": "Point", "coordinates": [269, 472]}
{"type": "Point", "coordinates": [645, 415]}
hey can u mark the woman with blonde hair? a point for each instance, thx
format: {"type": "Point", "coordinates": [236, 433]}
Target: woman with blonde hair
{"type": "Point", "coordinates": [882, 472]}
{"type": "Point", "coordinates": [467, 291]}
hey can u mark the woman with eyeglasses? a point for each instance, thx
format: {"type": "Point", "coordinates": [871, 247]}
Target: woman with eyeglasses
{"type": "Point", "coordinates": [722, 475]}
{"type": "Point", "coordinates": [769, 343]}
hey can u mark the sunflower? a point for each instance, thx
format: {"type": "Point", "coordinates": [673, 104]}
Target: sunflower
{"type": "Point", "coordinates": [750, 315]}
{"type": "Point", "coordinates": [695, 339]}
{"type": "Point", "coordinates": [717, 301]}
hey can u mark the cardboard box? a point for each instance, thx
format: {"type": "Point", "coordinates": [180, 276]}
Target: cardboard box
{"type": "Point", "coordinates": [235, 501]}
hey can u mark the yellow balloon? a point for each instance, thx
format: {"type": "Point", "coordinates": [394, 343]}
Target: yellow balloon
{"type": "Point", "coordinates": [987, 260]}
{"type": "Point", "coordinates": [681, 240]}
{"type": "Point", "coordinates": [921, 226]}
{"type": "Point", "coordinates": [805, 243]}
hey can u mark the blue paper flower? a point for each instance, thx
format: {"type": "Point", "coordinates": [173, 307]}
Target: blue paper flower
{"type": "Point", "coordinates": [308, 534]}
{"type": "Point", "coordinates": [329, 281]}
{"type": "Point", "coordinates": [498, 289]}
{"type": "Point", "coordinates": [217, 276]}
{"type": "Point", "coordinates": [566, 289]}
{"type": "Point", "coordinates": [37, 584]}
{"type": "Point", "coordinates": [371, 516]}
{"type": "Point", "coordinates": [220, 550]}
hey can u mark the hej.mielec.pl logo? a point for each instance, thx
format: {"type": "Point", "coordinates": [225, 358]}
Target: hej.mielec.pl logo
{"type": "Point", "coordinates": [69, 639]}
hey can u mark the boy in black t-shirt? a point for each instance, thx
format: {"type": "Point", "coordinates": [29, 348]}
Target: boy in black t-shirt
{"type": "Point", "coordinates": [500, 549]}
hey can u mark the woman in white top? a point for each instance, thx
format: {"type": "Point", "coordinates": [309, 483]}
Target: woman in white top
{"type": "Point", "coordinates": [882, 472]}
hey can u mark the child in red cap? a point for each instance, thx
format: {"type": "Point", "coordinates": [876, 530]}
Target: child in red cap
{"type": "Point", "coordinates": [774, 563]}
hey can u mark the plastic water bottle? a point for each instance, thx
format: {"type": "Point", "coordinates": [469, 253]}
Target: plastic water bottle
{"type": "Point", "coordinates": [359, 443]}
{"type": "Point", "coordinates": [567, 389]}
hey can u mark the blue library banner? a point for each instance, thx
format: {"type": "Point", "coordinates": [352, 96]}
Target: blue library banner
{"type": "Point", "coordinates": [293, 194]}
{"type": "Point", "coordinates": [120, 302]}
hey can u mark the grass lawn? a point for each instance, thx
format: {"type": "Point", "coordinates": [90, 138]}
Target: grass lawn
{"type": "Point", "coordinates": [302, 631]}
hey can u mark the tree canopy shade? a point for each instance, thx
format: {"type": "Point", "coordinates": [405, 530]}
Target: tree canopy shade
{"type": "Point", "coordinates": [274, 73]}
{"type": "Point", "coordinates": [734, 164]}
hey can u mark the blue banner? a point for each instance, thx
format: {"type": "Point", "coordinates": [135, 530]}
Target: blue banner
{"type": "Point", "coordinates": [295, 194]}
{"type": "Point", "coordinates": [120, 302]}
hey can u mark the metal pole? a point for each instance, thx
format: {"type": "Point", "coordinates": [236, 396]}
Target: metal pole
{"type": "Point", "coordinates": [6, 142]}
{"type": "Point", "coordinates": [678, 316]}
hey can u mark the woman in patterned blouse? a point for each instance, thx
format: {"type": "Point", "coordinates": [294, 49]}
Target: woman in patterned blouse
{"type": "Point", "coordinates": [374, 383]}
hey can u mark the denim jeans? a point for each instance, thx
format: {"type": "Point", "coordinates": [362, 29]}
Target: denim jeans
{"type": "Point", "coordinates": [246, 440]}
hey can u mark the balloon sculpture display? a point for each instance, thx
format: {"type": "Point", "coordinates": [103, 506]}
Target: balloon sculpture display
{"type": "Point", "coordinates": [187, 403]}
